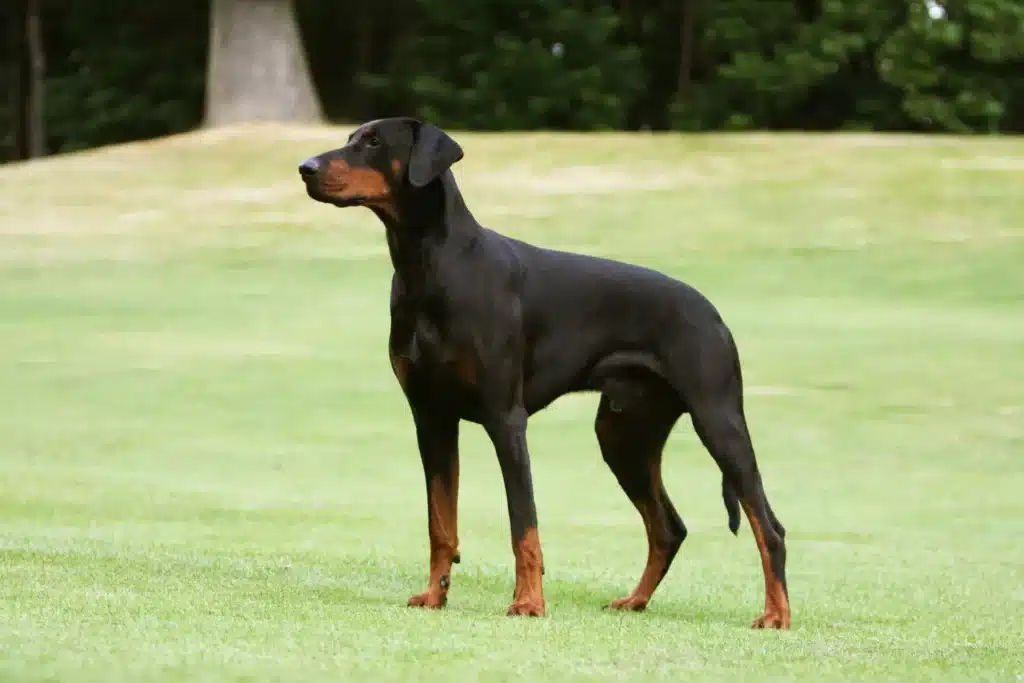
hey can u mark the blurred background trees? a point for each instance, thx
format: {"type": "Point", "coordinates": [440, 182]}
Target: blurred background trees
{"type": "Point", "coordinates": [81, 74]}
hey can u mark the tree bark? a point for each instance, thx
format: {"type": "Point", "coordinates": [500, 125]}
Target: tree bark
{"type": "Point", "coordinates": [30, 82]}
{"type": "Point", "coordinates": [257, 68]}
{"type": "Point", "coordinates": [13, 53]}
{"type": "Point", "coordinates": [688, 11]}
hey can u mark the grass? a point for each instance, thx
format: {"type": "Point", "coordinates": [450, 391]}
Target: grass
{"type": "Point", "coordinates": [207, 471]}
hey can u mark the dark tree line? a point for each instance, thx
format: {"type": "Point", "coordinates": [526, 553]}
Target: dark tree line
{"type": "Point", "coordinates": [90, 73]}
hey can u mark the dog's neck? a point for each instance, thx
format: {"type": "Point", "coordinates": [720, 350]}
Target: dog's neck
{"type": "Point", "coordinates": [422, 223]}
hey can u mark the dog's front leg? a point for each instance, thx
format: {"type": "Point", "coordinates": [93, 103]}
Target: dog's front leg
{"type": "Point", "coordinates": [438, 439]}
{"type": "Point", "coordinates": [507, 430]}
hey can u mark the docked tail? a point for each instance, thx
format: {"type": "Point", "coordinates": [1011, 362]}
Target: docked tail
{"type": "Point", "coordinates": [732, 506]}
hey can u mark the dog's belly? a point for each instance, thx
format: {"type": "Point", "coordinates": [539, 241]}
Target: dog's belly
{"type": "Point", "coordinates": [560, 369]}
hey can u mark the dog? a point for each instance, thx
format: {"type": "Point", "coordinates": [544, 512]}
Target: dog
{"type": "Point", "coordinates": [491, 329]}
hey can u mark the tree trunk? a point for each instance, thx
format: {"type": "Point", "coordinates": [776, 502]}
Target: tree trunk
{"type": "Point", "coordinates": [257, 69]}
{"type": "Point", "coordinates": [688, 10]}
{"type": "Point", "coordinates": [36, 81]}
{"type": "Point", "coordinates": [30, 79]}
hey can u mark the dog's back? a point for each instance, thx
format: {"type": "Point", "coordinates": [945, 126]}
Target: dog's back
{"type": "Point", "coordinates": [624, 304]}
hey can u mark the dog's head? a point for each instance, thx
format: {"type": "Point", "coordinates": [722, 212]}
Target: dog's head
{"type": "Point", "coordinates": [381, 161]}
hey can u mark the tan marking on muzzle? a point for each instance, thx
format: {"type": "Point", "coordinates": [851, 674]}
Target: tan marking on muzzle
{"type": "Point", "coordinates": [345, 182]}
{"type": "Point", "coordinates": [342, 181]}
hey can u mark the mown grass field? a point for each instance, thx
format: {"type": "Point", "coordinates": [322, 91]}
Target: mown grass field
{"type": "Point", "coordinates": [208, 472]}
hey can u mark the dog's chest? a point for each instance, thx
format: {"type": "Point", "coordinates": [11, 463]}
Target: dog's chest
{"type": "Point", "coordinates": [426, 352]}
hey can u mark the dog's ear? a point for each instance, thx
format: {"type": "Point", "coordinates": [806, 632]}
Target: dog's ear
{"type": "Point", "coordinates": [432, 155]}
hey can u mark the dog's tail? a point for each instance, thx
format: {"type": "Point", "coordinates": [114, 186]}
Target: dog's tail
{"type": "Point", "coordinates": [732, 506]}
{"type": "Point", "coordinates": [729, 497]}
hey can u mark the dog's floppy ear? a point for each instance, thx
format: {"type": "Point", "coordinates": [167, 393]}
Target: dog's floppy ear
{"type": "Point", "coordinates": [432, 155]}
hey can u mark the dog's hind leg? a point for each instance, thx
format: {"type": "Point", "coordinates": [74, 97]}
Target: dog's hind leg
{"type": "Point", "coordinates": [715, 399]}
{"type": "Point", "coordinates": [722, 428]}
{"type": "Point", "coordinates": [632, 426]}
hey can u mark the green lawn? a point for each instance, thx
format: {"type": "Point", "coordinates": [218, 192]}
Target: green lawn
{"type": "Point", "coordinates": [208, 472]}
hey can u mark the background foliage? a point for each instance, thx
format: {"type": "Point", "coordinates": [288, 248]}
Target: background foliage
{"type": "Point", "coordinates": [121, 69]}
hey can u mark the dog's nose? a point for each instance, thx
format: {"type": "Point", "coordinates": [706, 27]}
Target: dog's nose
{"type": "Point", "coordinates": [309, 167]}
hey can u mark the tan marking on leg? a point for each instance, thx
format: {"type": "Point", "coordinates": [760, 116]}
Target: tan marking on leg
{"type": "Point", "coordinates": [442, 520]}
{"type": "Point", "coordinates": [400, 366]}
{"type": "Point", "coordinates": [529, 593]}
{"type": "Point", "coordinates": [776, 604]}
{"type": "Point", "coordinates": [651, 512]}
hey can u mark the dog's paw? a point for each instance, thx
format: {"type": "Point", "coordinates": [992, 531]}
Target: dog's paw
{"type": "Point", "coordinates": [772, 620]}
{"type": "Point", "coordinates": [526, 608]}
{"type": "Point", "coordinates": [429, 600]}
{"type": "Point", "coordinates": [632, 603]}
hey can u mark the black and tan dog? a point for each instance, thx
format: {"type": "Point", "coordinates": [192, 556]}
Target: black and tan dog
{"type": "Point", "coordinates": [490, 329]}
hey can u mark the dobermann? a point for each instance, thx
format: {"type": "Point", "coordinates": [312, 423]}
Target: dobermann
{"type": "Point", "coordinates": [491, 329]}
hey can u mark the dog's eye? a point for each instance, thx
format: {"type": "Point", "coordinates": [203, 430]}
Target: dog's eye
{"type": "Point", "coordinates": [373, 141]}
